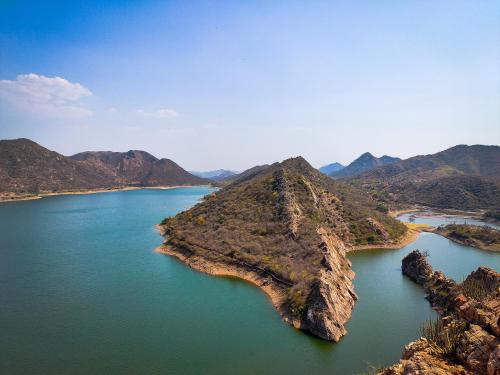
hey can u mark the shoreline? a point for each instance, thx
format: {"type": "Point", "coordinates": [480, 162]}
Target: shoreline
{"type": "Point", "coordinates": [275, 294]}
{"type": "Point", "coordinates": [476, 244]}
{"type": "Point", "coordinates": [410, 237]}
{"type": "Point", "coordinates": [27, 197]}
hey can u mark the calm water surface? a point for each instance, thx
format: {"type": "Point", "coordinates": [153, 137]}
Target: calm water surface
{"type": "Point", "coordinates": [83, 292]}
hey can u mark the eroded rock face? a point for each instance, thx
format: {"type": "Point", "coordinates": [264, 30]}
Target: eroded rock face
{"type": "Point", "coordinates": [332, 298]}
{"type": "Point", "coordinates": [415, 266]}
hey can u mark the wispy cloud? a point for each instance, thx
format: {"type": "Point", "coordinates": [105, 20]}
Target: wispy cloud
{"type": "Point", "coordinates": [47, 96]}
{"type": "Point", "coordinates": [163, 113]}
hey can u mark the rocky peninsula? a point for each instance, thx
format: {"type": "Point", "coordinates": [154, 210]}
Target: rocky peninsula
{"type": "Point", "coordinates": [285, 228]}
{"type": "Point", "coordinates": [465, 338]}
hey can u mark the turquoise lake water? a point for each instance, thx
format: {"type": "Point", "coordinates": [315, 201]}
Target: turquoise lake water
{"type": "Point", "coordinates": [83, 292]}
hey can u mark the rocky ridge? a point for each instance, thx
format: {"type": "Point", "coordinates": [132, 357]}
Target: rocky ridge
{"type": "Point", "coordinates": [469, 325]}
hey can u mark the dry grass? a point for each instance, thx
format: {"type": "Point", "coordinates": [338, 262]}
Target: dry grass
{"type": "Point", "coordinates": [443, 336]}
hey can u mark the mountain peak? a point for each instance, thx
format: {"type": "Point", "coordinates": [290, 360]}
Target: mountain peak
{"type": "Point", "coordinates": [366, 155]}
{"type": "Point", "coordinates": [295, 162]}
{"type": "Point", "coordinates": [362, 164]}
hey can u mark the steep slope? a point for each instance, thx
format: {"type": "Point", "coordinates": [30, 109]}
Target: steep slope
{"type": "Point", "coordinates": [462, 177]}
{"type": "Point", "coordinates": [362, 164]}
{"type": "Point", "coordinates": [331, 168]}
{"type": "Point", "coordinates": [286, 228]}
{"type": "Point", "coordinates": [140, 168]}
{"type": "Point", "coordinates": [28, 168]}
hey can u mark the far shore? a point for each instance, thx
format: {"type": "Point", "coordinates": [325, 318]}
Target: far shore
{"type": "Point", "coordinates": [423, 211]}
{"type": "Point", "coordinates": [26, 197]}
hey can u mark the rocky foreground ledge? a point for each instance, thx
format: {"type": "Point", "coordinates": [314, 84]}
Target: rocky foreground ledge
{"type": "Point", "coordinates": [465, 339]}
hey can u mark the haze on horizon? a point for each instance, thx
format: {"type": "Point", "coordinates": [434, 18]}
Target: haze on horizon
{"type": "Point", "coordinates": [235, 84]}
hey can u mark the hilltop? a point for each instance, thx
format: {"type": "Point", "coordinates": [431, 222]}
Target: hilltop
{"type": "Point", "coordinates": [362, 164]}
{"type": "Point", "coordinates": [29, 168]}
{"type": "Point", "coordinates": [461, 177]}
{"type": "Point", "coordinates": [286, 228]}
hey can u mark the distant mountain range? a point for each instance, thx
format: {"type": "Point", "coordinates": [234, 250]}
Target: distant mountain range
{"type": "Point", "coordinates": [28, 168]}
{"type": "Point", "coordinates": [330, 168]}
{"type": "Point", "coordinates": [461, 177]}
{"type": "Point", "coordinates": [364, 163]}
{"type": "Point", "coordinates": [216, 175]}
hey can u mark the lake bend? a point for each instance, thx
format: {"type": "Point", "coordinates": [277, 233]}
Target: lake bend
{"type": "Point", "coordinates": [82, 291]}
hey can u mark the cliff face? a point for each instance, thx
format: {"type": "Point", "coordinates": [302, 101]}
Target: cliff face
{"type": "Point", "coordinates": [292, 225]}
{"type": "Point", "coordinates": [466, 338]}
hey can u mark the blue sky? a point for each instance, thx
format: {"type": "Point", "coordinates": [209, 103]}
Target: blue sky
{"type": "Point", "coordinates": [222, 84]}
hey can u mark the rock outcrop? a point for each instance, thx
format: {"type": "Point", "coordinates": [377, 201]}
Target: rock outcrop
{"type": "Point", "coordinates": [415, 266]}
{"type": "Point", "coordinates": [332, 296]}
{"type": "Point", "coordinates": [418, 358]}
{"type": "Point", "coordinates": [468, 332]}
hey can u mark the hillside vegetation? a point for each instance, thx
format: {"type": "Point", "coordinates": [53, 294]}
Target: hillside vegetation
{"type": "Point", "coordinates": [365, 162]}
{"type": "Point", "coordinates": [462, 177]}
